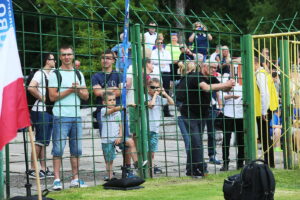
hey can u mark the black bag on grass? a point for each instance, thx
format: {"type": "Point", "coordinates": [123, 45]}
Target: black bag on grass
{"type": "Point", "coordinates": [232, 187]}
{"type": "Point", "coordinates": [258, 182]}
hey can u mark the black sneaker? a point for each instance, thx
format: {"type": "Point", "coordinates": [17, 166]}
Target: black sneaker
{"type": "Point", "coordinates": [31, 173]}
{"type": "Point", "coordinates": [48, 173]}
{"type": "Point", "coordinates": [157, 170]}
{"type": "Point", "coordinates": [224, 168]}
{"type": "Point", "coordinates": [197, 174]}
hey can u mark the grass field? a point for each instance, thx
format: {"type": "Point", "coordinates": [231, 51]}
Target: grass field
{"type": "Point", "coordinates": [209, 188]}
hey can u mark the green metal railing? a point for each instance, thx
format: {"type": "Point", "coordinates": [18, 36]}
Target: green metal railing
{"type": "Point", "coordinates": [91, 27]}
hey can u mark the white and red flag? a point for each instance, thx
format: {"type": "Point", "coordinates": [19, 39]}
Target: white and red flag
{"type": "Point", "coordinates": [13, 104]}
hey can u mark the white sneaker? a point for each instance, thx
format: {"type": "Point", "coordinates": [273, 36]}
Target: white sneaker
{"type": "Point", "coordinates": [57, 184]}
{"type": "Point", "coordinates": [78, 183]}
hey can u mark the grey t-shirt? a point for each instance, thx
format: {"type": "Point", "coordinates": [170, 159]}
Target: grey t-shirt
{"type": "Point", "coordinates": [110, 126]}
{"type": "Point", "coordinates": [155, 113]}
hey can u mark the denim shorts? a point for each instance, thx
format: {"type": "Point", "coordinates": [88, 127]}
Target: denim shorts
{"type": "Point", "coordinates": [154, 141]}
{"type": "Point", "coordinates": [43, 124]}
{"type": "Point", "coordinates": [63, 128]}
{"type": "Point", "coordinates": [109, 151]}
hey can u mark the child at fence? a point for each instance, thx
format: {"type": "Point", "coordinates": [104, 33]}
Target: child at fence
{"type": "Point", "coordinates": [112, 131]}
{"type": "Point", "coordinates": [276, 130]}
{"type": "Point", "coordinates": [155, 103]}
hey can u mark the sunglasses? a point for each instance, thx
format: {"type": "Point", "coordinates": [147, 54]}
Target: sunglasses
{"type": "Point", "coordinates": [52, 59]}
{"type": "Point", "coordinates": [153, 87]}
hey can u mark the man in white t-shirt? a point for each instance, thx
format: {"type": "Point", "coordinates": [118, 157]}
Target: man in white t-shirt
{"type": "Point", "coordinates": [150, 36]}
{"type": "Point", "coordinates": [42, 120]}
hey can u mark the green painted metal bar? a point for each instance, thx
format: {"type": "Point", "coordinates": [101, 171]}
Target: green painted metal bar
{"type": "Point", "coordinates": [173, 15]}
{"type": "Point", "coordinates": [286, 106]}
{"type": "Point", "coordinates": [162, 15]}
{"type": "Point", "coordinates": [222, 21]}
{"type": "Point", "coordinates": [248, 97]}
{"type": "Point", "coordinates": [275, 24]}
{"type": "Point", "coordinates": [258, 25]}
{"type": "Point", "coordinates": [139, 18]}
{"type": "Point", "coordinates": [234, 23]}
{"type": "Point", "coordinates": [106, 10]}
{"type": "Point", "coordinates": [151, 17]}
{"type": "Point", "coordinates": [211, 21]}
{"type": "Point", "coordinates": [293, 20]}
{"type": "Point", "coordinates": [144, 135]}
{"type": "Point", "coordinates": [1, 176]}
{"type": "Point", "coordinates": [136, 99]}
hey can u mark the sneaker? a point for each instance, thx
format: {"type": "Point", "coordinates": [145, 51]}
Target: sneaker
{"type": "Point", "coordinates": [78, 183]}
{"type": "Point", "coordinates": [197, 174]}
{"type": "Point", "coordinates": [157, 170]}
{"type": "Point", "coordinates": [31, 173]}
{"type": "Point", "coordinates": [48, 173]}
{"type": "Point", "coordinates": [213, 160]}
{"type": "Point", "coordinates": [224, 168]}
{"type": "Point", "coordinates": [57, 185]}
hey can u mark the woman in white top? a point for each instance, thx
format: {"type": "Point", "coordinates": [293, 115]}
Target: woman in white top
{"type": "Point", "coordinates": [233, 112]}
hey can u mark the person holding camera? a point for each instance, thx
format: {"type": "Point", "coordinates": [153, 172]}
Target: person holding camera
{"type": "Point", "coordinates": [200, 39]}
{"type": "Point", "coordinates": [155, 102]}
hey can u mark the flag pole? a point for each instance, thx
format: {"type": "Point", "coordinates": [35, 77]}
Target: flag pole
{"type": "Point", "coordinates": [37, 171]}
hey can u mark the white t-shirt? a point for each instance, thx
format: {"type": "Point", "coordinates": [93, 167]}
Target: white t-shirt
{"type": "Point", "coordinates": [234, 107]}
{"type": "Point", "coordinates": [150, 40]}
{"type": "Point", "coordinates": [39, 77]}
{"type": "Point", "coordinates": [155, 115]}
{"type": "Point", "coordinates": [161, 60]}
{"type": "Point", "coordinates": [110, 126]}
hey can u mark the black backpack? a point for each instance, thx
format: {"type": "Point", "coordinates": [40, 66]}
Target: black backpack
{"type": "Point", "coordinates": [258, 181]}
{"type": "Point", "coordinates": [255, 182]}
{"type": "Point", "coordinates": [232, 187]}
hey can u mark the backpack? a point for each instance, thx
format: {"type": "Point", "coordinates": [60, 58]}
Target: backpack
{"type": "Point", "coordinates": [258, 181]}
{"type": "Point", "coordinates": [232, 187]}
{"type": "Point", "coordinates": [30, 98]}
{"type": "Point", "coordinates": [49, 103]}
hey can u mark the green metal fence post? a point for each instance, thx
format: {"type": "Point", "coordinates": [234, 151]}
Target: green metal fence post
{"type": "Point", "coordinates": [1, 176]}
{"type": "Point", "coordinates": [144, 138]}
{"type": "Point", "coordinates": [286, 102]}
{"type": "Point", "coordinates": [136, 100]}
{"type": "Point", "coordinates": [248, 97]}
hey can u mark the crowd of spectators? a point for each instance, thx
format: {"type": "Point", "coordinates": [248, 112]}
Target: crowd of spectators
{"type": "Point", "coordinates": [203, 82]}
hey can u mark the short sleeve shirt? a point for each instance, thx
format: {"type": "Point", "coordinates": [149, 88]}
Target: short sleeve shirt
{"type": "Point", "coordinates": [155, 115]}
{"type": "Point", "coordinates": [106, 80]}
{"type": "Point", "coordinates": [110, 126]}
{"type": "Point", "coordinates": [70, 105]}
{"type": "Point", "coordinates": [197, 103]}
{"type": "Point", "coordinates": [39, 77]}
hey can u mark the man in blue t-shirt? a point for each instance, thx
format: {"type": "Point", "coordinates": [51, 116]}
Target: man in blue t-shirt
{"type": "Point", "coordinates": [106, 80]}
{"type": "Point", "coordinates": [120, 54]}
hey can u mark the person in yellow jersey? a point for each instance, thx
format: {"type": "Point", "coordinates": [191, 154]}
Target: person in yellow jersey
{"type": "Point", "coordinates": [266, 101]}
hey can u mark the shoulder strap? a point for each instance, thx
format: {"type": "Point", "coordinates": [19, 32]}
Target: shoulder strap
{"type": "Point", "coordinates": [78, 75]}
{"type": "Point", "coordinates": [59, 78]}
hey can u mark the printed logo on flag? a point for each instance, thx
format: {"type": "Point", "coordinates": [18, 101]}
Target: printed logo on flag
{"type": "Point", "coordinates": [6, 20]}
